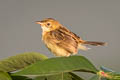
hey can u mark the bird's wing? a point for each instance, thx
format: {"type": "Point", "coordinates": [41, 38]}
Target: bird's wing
{"type": "Point", "coordinates": [64, 41]}
{"type": "Point", "coordinates": [73, 35]}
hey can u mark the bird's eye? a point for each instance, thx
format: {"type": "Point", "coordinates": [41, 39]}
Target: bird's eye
{"type": "Point", "coordinates": [48, 24]}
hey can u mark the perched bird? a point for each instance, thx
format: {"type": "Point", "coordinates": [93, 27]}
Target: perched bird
{"type": "Point", "coordinates": [60, 40]}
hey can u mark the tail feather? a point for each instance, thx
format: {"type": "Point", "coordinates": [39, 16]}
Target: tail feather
{"type": "Point", "coordinates": [94, 43]}
{"type": "Point", "coordinates": [83, 47]}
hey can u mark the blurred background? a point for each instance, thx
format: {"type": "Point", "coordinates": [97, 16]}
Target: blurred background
{"type": "Point", "coordinates": [95, 20]}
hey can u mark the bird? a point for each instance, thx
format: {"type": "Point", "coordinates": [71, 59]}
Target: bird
{"type": "Point", "coordinates": [60, 40]}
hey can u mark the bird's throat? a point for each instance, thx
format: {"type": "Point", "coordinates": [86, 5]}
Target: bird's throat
{"type": "Point", "coordinates": [45, 29]}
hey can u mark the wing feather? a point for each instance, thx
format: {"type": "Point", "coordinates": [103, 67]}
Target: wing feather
{"type": "Point", "coordinates": [64, 41]}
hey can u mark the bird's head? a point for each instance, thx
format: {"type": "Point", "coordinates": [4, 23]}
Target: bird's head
{"type": "Point", "coordinates": [48, 24]}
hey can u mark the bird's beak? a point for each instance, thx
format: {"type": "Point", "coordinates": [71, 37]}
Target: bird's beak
{"type": "Point", "coordinates": [38, 22]}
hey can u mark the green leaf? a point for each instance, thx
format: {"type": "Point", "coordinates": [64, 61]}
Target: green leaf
{"type": "Point", "coordinates": [96, 77]}
{"type": "Point", "coordinates": [75, 77]}
{"type": "Point", "coordinates": [20, 78]}
{"type": "Point", "coordinates": [62, 76]}
{"type": "Point", "coordinates": [115, 75]}
{"type": "Point", "coordinates": [4, 76]}
{"type": "Point", "coordinates": [58, 65]}
{"type": "Point", "coordinates": [104, 79]}
{"type": "Point", "coordinates": [20, 61]}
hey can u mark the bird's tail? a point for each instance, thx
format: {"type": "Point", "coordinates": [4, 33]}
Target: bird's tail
{"type": "Point", "coordinates": [94, 43]}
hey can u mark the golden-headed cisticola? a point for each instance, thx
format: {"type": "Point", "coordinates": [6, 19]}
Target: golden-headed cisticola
{"type": "Point", "coordinates": [60, 40]}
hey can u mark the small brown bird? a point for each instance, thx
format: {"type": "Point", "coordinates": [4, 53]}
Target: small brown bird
{"type": "Point", "coordinates": [60, 40]}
